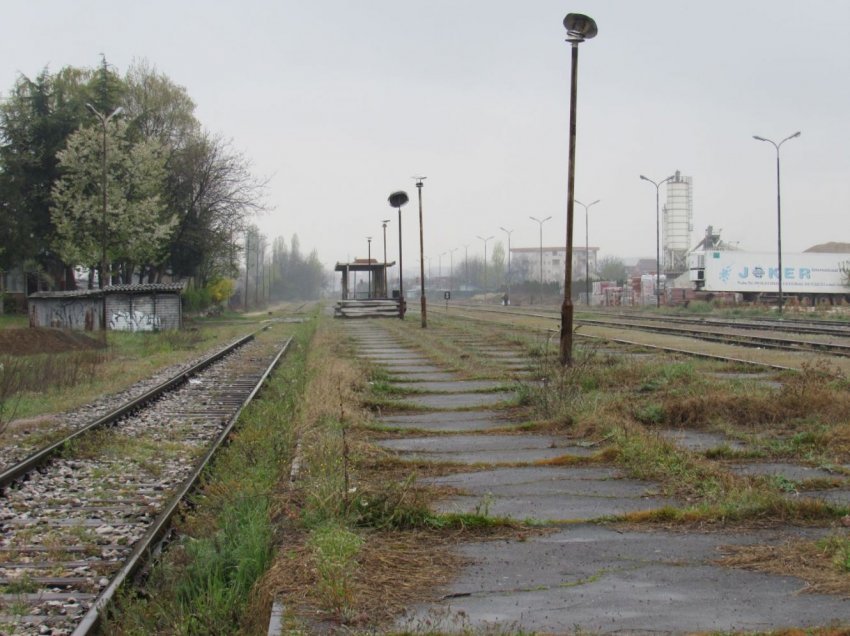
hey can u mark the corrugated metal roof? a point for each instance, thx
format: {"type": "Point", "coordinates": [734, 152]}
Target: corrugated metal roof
{"type": "Point", "coordinates": [113, 289]}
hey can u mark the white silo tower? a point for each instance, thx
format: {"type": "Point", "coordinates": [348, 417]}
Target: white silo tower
{"type": "Point", "coordinates": [678, 223]}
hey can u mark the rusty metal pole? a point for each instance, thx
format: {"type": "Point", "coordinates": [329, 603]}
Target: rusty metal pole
{"type": "Point", "coordinates": [579, 27]}
{"type": "Point", "coordinates": [421, 257]}
{"type": "Point", "coordinates": [566, 344]}
{"type": "Point", "coordinates": [396, 200]}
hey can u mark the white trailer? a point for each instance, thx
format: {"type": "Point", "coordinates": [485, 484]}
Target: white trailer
{"type": "Point", "coordinates": [814, 275]}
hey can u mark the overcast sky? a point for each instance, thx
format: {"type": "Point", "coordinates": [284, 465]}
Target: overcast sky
{"type": "Point", "coordinates": [340, 102]}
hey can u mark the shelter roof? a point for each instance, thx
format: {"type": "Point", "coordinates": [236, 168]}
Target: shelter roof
{"type": "Point", "coordinates": [113, 289]}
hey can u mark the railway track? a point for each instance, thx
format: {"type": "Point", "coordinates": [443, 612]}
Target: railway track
{"type": "Point", "coordinates": [80, 517]}
{"type": "Point", "coordinates": [714, 330]}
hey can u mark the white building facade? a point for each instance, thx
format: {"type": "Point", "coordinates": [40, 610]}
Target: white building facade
{"type": "Point", "coordinates": [534, 263]}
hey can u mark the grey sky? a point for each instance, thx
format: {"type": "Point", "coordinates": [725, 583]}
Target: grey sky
{"type": "Point", "coordinates": [341, 102]}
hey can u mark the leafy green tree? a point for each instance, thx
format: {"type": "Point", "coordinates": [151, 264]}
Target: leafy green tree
{"type": "Point", "coordinates": [36, 118]}
{"type": "Point", "coordinates": [135, 225]}
{"type": "Point", "coordinates": [612, 268]}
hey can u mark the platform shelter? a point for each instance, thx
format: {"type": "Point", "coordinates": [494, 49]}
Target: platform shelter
{"type": "Point", "coordinates": [365, 291]}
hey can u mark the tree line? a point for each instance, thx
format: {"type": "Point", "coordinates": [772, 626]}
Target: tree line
{"type": "Point", "coordinates": [115, 175]}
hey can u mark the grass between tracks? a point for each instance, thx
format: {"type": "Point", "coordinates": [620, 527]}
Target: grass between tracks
{"type": "Point", "coordinates": [206, 580]}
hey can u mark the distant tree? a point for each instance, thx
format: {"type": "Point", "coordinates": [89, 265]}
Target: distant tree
{"type": "Point", "coordinates": [212, 191]}
{"type": "Point", "coordinates": [613, 269]}
{"type": "Point", "coordinates": [497, 261]}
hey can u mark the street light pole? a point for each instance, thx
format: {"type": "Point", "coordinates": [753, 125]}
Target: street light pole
{"type": "Point", "coordinates": [384, 224]}
{"type": "Point", "coordinates": [466, 264]}
{"type": "Point", "coordinates": [586, 250]}
{"type": "Point", "coordinates": [419, 185]}
{"type": "Point", "coordinates": [579, 28]}
{"type": "Point", "coordinates": [778, 208]}
{"type": "Point", "coordinates": [508, 232]}
{"type": "Point", "coordinates": [485, 260]}
{"type": "Point", "coordinates": [369, 260]}
{"type": "Point", "coordinates": [104, 120]}
{"type": "Point", "coordinates": [452, 267]}
{"type": "Point", "coordinates": [540, 222]}
{"type": "Point", "coordinates": [657, 237]}
{"type": "Point", "coordinates": [398, 199]}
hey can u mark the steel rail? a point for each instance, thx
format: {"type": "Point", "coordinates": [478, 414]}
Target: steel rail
{"type": "Point", "coordinates": [695, 354]}
{"type": "Point", "coordinates": [160, 525]}
{"type": "Point", "coordinates": [43, 455]}
{"type": "Point", "coordinates": [786, 344]}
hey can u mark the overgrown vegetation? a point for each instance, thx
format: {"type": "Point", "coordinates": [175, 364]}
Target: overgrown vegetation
{"type": "Point", "coordinates": [208, 578]}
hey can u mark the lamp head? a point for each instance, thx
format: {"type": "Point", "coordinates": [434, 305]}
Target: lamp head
{"type": "Point", "coordinates": [398, 199]}
{"type": "Point", "coordinates": [579, 27]}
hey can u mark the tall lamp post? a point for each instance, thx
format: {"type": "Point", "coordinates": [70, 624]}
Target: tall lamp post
{"type": "Point", "coordinates": [451, 267]}
{"type": "Point", "coordinates": [485, 259]}
{"type": "Point", "coordinates": [508, 232]}
{"type": "Point", "coordinates": [778, 208]}
{"type": "Point", "coordinates": [419, 185]}
{"type": "Point", "coordinates": [369, 260]}
{"type": "Point", "coordinates": [657, 237]}
{"type": "Point", "coordinates": [104, 120]}
{"type": "Point", "coordinates": [579, 28]}
{"type": "Point", "coordinates": [586, 250]}
{"type": "Point", "coordinates": [398, 199]}
{"type": "Point", "coordinates": [540, 222]}
{"type": "Point", "coordinates": [466, 264]}
{"type": "Point", "coordinates": [384, 224]}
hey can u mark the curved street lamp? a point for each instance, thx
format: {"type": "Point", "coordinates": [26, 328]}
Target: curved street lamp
{"type": "Point", "coordinates": [540, 222]}
{"type": "Point", "coordinates": [586, 250]}
{"type": "Point", "coordinates": [369, 260]}
{"type": "Point", "coordinates": [384, 224]}
{"type": "Point", "coordinates": [657, 238]}
{"type": "Point", "coordinates": [485, 260]}
{"type": "Point", "coordinates": [579, 28]}
{"type": "Point", "coordinates": [397, 200]}
{"type": "Point", "coordinates": [778, 208]}
{"type": "Point", "coordinates": [508, 232]}
{"type": "Point", "coordinates": [419, 185]}
{"type": "Point", "coordinates": [104, 120]}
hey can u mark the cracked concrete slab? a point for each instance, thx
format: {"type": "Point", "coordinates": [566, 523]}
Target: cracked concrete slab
{"type": "Point", "coordinates": [588, 577]}
{"type": "Point", "coordinates": [457, 400]}
{"type": "Point", "coordinates": [699, 440]}
{"type": "Point", "coordinates": [549, 493]}
{"type": "Point", "coordinates": [456, 386]}
{"type": "Point", "coordinates": [407, 378]}
{"type": "Point", "coordinates": [451, 421]}
{"type": "Point", "coordinates": [792, 472]}
{"type": "Point", "coordinates": [485, 449]}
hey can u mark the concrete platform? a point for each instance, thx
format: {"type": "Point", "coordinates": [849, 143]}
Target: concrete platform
{"type": "Point", "coordinates": [484, 449]}
{"type": "Point", "coordinates": [699, 440]}
{"type": "Point", "coordinates": [549, 493]}
{"type": "Point", "coordinates": [598, 579]}
{"type": "Point", "coordinates": [455, 386]}
{"type": "Point", "coordinates": [463, 421]}
{"type": "Point", "coordinates": [457, 400]}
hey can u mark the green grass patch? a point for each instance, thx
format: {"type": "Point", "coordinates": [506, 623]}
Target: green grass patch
{"type": "Point", "coordinates": [226, 543]}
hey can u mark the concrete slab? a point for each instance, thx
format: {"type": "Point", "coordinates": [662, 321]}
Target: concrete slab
{"type": "Point", "coordinates": [457, 400]}
{"type": "Point", "coordinates": [460, 422]}
{"type": "Point", "coordinates": [793, 472]}
{"type": "Point", "coordinates": [425, 376]}
{"type": "Point", "coordinates": [408, 367]}
{"type": "Point", "coordinates": [549, 493]}
{"type": "Point", "coordinates": [587, 577]}
{"type": "Point", "coordinates": [699, 440]}
{"type": "Point", "coordinates": [455, 386]}
{"type": "Point", "coordinates": [488, 449]}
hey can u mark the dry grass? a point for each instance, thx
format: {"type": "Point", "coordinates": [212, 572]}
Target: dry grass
{"type": "Point", "coordinates": [812, 561]}
{"type": "Point", "coordinates": [394, 570]}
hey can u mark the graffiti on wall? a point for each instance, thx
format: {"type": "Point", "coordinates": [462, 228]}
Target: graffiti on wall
{"type": "Point", "coordinates": [125, 320]}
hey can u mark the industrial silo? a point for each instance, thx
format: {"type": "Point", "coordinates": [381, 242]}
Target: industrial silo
{"type": "Point", "coordinates": [677, 224]}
